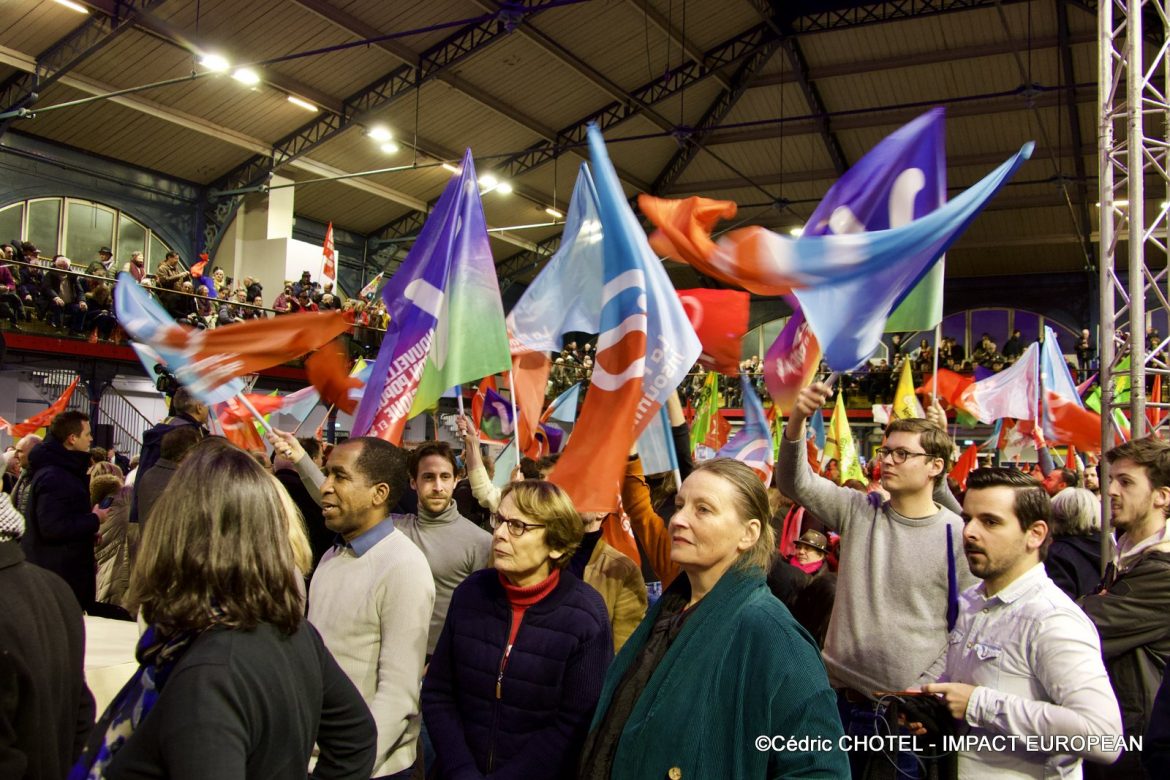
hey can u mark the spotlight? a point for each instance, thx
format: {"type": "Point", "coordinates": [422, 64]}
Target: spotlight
{"type": "Point", "coordinates": [215, 63]}
{"type": "Point", "coordinates": [247, 77]}
{"type": "Point", "coordinates": [379, 134]}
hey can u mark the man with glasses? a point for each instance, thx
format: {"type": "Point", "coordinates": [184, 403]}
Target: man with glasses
{"type": "Point", "coordinates": [901, 564]}
{"type": "Point", "coordinates": [372, 595]}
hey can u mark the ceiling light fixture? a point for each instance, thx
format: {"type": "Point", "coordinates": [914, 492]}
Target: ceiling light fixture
{"type": "Point", "coordinates": [554, 213]}
{"type": "Point", "coordinates": [504, 188]}
{"type": "Point", "coordinates": [380, 134]}
{"type": "Point", "coordinates": [488, 182]}
{"type": "Point", "coordinates": [389, 148]}
{"type": "Point", "coordinates": [795, 232]}
{"type": "Point", "coordinates": [215, 63]}
{"type": "Point", "coordinates": [296, 101]}
{"type": "Point", "coordinates": [450, 168]}
{"type": "Point", "coordinates": [246, 76]}
{"type": "Point", "coordinates": [72, 6]}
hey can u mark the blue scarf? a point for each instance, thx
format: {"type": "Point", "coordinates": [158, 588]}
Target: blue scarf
{"type": "Point", "coordinates": [157, 657]}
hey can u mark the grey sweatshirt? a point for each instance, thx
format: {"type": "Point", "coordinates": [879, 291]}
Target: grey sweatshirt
{"type": "Point", "coordinates": [889, 621]}
{"type": "Point", "coordinates": [454, 547]}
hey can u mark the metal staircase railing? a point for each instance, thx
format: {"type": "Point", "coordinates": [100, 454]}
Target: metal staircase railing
{"type": "Point", "coordinates": [118, 411]}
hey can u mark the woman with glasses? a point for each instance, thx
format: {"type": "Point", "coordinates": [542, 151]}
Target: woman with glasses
{"type": "Point", "coordinates": [518, 667]}
{"type": "Point", "coordinates": [719, 666]}
{"type": "Point", "coordinates": [232, 682]}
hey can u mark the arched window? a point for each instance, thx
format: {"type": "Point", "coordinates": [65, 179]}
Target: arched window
{"type": "Point", "coordinates": [78, 228]}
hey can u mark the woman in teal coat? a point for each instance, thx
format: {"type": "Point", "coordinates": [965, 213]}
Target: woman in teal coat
{"type": "Point", "coordinates": [719, 668]}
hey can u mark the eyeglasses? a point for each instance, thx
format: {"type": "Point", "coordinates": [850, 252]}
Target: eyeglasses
{"type": "Point", "coordinates": [899, 455]}
{"type": "Point", "coordinates": [515, 527]}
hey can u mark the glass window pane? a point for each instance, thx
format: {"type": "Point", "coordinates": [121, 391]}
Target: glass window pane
{"type": "Point", "coordinates": [44, 220]}
{"type": "Point", "coordinates": [955, 327]}
{"type": "Point", "coordinates": [993, 322]}
{"type": "Point", "coordinates": [158, 251]}
{"type": "Point", "coordinates": [89, 229]}
{"type": "Point", "coordinates": [131, 238]}
{"type": "Point", "coordinates": [1028, 324]}
{"type": "Point", "coordinates": [10, 219]}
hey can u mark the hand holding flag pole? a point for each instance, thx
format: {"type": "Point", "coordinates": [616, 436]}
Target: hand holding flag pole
{"type": "Point", "coordinates": [243, 399]}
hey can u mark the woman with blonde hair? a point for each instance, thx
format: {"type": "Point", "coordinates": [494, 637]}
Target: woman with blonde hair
{"type": "Point", "coordinates": [231, 681]}
{"type": "Point", "coordinates": [718, 660]}
{"type": "Point", "coordinates": [518, 667]}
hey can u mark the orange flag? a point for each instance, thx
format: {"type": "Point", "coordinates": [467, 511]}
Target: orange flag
{"type": "Point", "coordinates": [330, 269]}
{"type": "Point", "coordinates": [41, 419]}
{"type": "Point", "coordinates": [329, 373]}
{"type": "Point", "coordinates": [966, 463]}
{"type": "Point", "coordinates": [1155, 415]}
{"type": "Point", "coordinates": [247, 347]}
{"type": "Point", "coordinates": [239, 426]}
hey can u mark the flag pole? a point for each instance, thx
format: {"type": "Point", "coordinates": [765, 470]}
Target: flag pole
{"type": "Point", "coordinates": [259, 417]}
{"type": "Point", "coordinates": [934, 384]}
{"type": "Point", "coordinates": [459, 400]}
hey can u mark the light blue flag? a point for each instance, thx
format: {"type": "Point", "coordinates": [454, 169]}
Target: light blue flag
{"type": "Point", "coordinates": [149, 324]}
{"type": "Point", "coordinates": [506, 463]}
{"type": "Point", "coordinates": [1056, 378]}
{"type": "Point", "coordinates": [656, 446]}
{"type": "Point", "coordinates": [752, 444]}
{"type": "Point", "coordinates": [874, 271]}
{"type": "Point", "coordinates": [816, 426]}
{"type": "Point", "coordinates": [564, 407]}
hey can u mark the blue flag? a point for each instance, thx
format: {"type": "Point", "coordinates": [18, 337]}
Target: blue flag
{"type": "Point", "coordinates": [753, 443]}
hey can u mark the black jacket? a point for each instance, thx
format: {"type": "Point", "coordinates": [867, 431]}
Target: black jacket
{"type": "Point", "coordinates": [61, 525]}
{"type": "Point", "coordinates": [152, 451]}
{"type": "Point", "coordinates": [46, 711]}
{"type": "Point", "coordinates": [1074, 564]}
{"type": "Point", "coordinates": [250, 704]}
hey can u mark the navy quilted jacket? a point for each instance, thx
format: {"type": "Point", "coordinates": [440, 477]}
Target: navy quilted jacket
{"type": "Point", "coordinates": [533, 724]}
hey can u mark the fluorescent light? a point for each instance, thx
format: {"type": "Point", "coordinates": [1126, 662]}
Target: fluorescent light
{"type": "Point", "coordinates": [296, 101]}
{"type": "Point", "coordinates": [72, 6]}
{"type": "Point", "coordinates": [379, 133]}
{"type": "Point", "coordinates": [554, 213]}
{"type": "Point", "coordinates": [488, 182]}
{"type": "Point", "coordinates": [247, 77]}
{"type": "Point", "coordinates": [795, 232]}
{"type": "Point", "coordinates": [389, 147]}
{"type": "Point", "coordinates": [450, 168]}
{"type": "Point", "coordinates": [215, 63]}
{"type": "Point", "coordinates": [504, 188]}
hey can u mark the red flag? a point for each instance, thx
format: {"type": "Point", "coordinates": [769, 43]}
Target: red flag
{"type": "Point", "coordinates": [41, 419]}
{"type": "Point", "coordinates": [239, 426]}
{"type": "Point", "coordinates": [530, 372]}
{"type": "Point", "coordinates": [197, 269]}
{"type": "Point", "coordinates": [330, 269]}
{"type": "Point", "coordinates": [719, 433]}
{"type": "Point", "coordinates": [329, 373]}
{"type": "Point", "coordinates": [966, 463]}
{"type": "Point", "coordinates": [1073, 425]}
{"type": "Point", "coordinates": [720, 320]}
{"type": "Point", "coordinates": [950, 387]}
{"type": "Point", "coordinates": [247, 347]}
{"type": "Point", "coordinates": [1070, 459]}
{"type": "Point", "coordinates": [618, 534]}
{"type": "Point", "coordinates": [1155, 415]}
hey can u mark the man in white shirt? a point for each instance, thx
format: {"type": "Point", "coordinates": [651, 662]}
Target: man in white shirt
{"type": "Point", "coordinates": [1023, 665]}
{"type": "Point", "coordinates": [1131, 607]}
{"type": "Point", "coordinates": [372, 595]}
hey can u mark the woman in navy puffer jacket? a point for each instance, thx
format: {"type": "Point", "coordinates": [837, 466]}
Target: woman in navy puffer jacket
{"type": "Point", "coordinates": [516, 674]}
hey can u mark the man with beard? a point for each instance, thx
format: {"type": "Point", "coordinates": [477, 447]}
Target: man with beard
{"type": "Point", "coordinates": [1023, 660]}
{"type": "Point", "coordinates": [1130, 608]}
{"type": "Point", "coordinates": [453, 545]}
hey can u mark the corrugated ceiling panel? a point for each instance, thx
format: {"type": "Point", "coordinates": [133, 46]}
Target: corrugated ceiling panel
{"type": "Point", "coordinates": [111, 130]}
{"type": "Point", "coordinates": [505, 72]}
{"type": "Point", "coordinates": [32, 26]}
{"type": "Point", "coordinates": [345, 207]}
{"type": "Point", "coordinates": [707, 23]}
{"type": "Point", "coordinates": [413, 17]}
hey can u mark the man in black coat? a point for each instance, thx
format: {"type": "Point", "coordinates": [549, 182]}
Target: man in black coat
{"type": "Point", "coordinates": [186, 409]}
{"type": "Point", "coordinates": [61, 524]}
{"type": "Point", "coordinates": [46, 710]}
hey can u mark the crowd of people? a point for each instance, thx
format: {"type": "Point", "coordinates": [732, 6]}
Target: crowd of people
{"type": "Point", "coordinates": [60, 295]}
{"type": "Point", "coordinates": [360, 610]}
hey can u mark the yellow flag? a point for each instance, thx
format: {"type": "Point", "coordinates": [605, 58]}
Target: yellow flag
{"type": "Point", "coordinates": [905, 401]}
{"type": "Point", "coordinates": [839, 444]}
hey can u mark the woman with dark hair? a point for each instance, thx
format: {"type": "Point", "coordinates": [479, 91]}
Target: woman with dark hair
{"type": "Point", "coordinates": [520, 662]}
{"type": "Point", "coordinates": [232, 683]}
{"type": "Point", "coordinates": [718, 661]}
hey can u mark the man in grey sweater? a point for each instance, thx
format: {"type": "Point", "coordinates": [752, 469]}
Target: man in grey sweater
{"type": "Point", "coordinates": [453, 545]}
{"type": "Point", "coordinates": [901, 563]}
